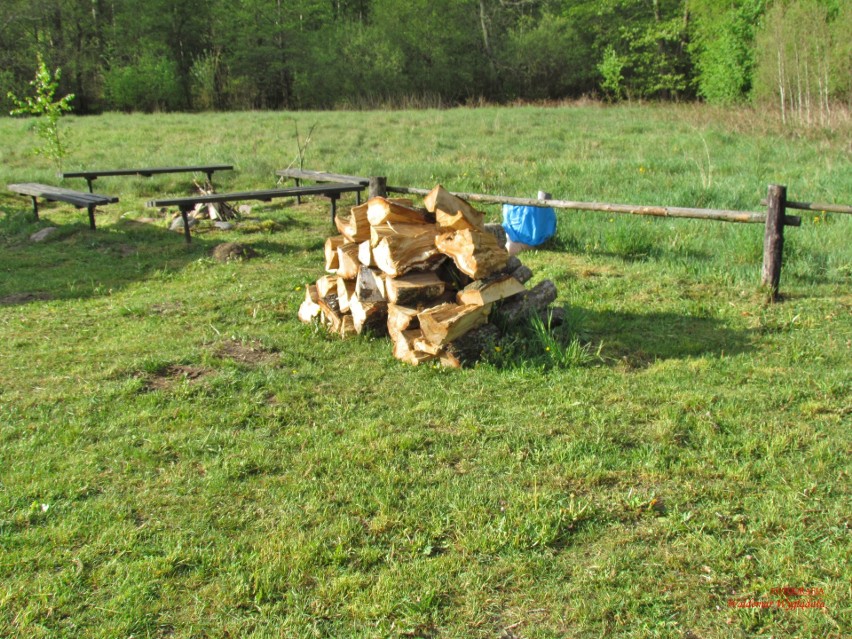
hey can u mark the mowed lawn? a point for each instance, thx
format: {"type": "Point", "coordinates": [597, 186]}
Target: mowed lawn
{"type": "Point", "coordinates": [180, 457]}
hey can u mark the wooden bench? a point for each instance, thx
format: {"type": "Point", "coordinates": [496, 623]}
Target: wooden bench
{"type": "Point", "coordinates": [91, 176]}
{"type": "Point", "coordinates": [186, 204]}
{"type": "Point", "coordinates": [297, 175]}
{"type": "Point", "coordinates": [55, 194]}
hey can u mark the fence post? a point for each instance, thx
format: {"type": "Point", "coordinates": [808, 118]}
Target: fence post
{"type": "Point", "coordinates": [773, 238]}
{"type": "Point", "coordinates": [378, 187]}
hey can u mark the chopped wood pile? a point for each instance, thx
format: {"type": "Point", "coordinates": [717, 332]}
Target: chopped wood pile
{"type": "Point", "coordinates": [431, 278]}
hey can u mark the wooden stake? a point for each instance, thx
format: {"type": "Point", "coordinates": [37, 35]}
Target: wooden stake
{"type": "Point", "coordinates": [378, 187]}
{"type": "Point", "coordinates": [773, 239]}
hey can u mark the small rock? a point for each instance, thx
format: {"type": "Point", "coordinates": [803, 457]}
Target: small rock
{"type": "Point", "coordinates": [244, 209]}
{"type": "Point", "coordinates": [223, 226]}
{"type": "Point", "coordinates": [42, 235]}
{"type": "Point", "coordinates": [177, 223]}
{"type": "Point", "coordinates": [233, 251]}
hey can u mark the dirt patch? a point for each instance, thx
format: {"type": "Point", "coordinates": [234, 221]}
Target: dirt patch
{"type": "Point", "coordinates": [233, 251]}
{"type": "Point", "coordinates": [174, 373]}
{"type": "Point", "coordinates": [24, 298]}
{"type": "Point", "coordinates": [252, 353]}
{"type": "Point", "coordinates": [167, 308]}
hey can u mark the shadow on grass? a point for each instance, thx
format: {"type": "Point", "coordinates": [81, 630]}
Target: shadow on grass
{"type": "Point", "coordinates": [77, 263]}
{"type": "Point", "coordinates": [638, 340]}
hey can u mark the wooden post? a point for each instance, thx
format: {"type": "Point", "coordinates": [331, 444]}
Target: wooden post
{"type": "Point", "coordinates": [378, 187]}
{"type": "Point", "coordinates": [773, 239]}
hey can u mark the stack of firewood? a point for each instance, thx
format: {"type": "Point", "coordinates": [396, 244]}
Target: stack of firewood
{"type": "Point", "coordinates": [429, 277]}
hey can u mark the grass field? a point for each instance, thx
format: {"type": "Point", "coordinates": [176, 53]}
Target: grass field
{"type": "Point", "coordinates": [180, 457]}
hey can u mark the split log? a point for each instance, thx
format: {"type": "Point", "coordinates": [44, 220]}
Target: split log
{"type": "Point", "coordinates": [403, 348]}
{"type": "Point", "coordinates": [355, 228]}
{"type": "Point", "coordinates": [310, 308]}
{"type": "Point", "coordinates": [325, 285]}
{"type": "Point", "coordinates": [348, 263]}
{"type": "Point", "coordinates": [400, 248]}
{"type": "Point", "coordinates": [536, 300]}
{"type": "Point", "coordinates": [345, 291]}
{"type": "Point", "coordinates": [490, 290]}
{"type": "Point", "coordinates": [369, 316]}
{"type": "Point", "coordinates": [401, 319]}
{"type": "Point", "coordinates": [442, 324]}
{"type": "Point", "coordinates": [370, 286]}
{"type": "Point", "coordinates": [330, 310]}
{"type": "Point", "coordinates": [331, 246]}
{"type": "Point", "coordinates": [476, 253]}
{"type": "Point", "coordinates": [365, 254]}
{"type": "Point", "coordinates": [414, 288]}
{"type": "Point", "coordinates": [452, 212]}
{"type": "Point", "coordinates": [347, 327]}
{"type": "Point", "coordinates": [384, 211]}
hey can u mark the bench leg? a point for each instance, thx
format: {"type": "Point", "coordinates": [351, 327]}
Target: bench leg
{"type": "Point", "coordinates": [89, 181]}
{"type": "Point", "coordinates": [35, 207]}
{"type": "Point", "coordinates": [92, 216]}
{"type": "Point", "coordinates": [358, 197]}
{"type": "Point", "coordinates": [333, 199]}
{"type": "Point", "coordinates": [186, 235]}
{"type": "Point", "coordinates": [210, 178]}
{"type": "Point", "coordinates": [298, 184]}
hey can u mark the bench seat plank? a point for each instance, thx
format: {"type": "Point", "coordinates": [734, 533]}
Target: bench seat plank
{"type": "Point", "coordinates": [77, 199]}
{"type": "Point", "coordinates": [185, 204]}
{"type": "Point", "coordinates": [57, 194]}
{"type": "Point", "coordinates": [321, 176]}
{"type": "Point", "coordinates": [148, 172]}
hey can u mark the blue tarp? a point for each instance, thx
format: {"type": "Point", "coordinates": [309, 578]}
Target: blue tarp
{"type": "Point", "coordinates": [531, 225]}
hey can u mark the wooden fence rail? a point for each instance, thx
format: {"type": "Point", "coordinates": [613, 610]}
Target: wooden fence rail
{"type": "Point", "coordinates": [774, 219]}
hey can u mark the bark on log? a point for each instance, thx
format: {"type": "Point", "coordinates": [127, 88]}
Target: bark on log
{"type": "Point", "coordinates": [370, 286]}
{"type": "Point", "coordinates": [451, 212]}
{"type": "Point", "coordinates": [445, 323]}
{"type": "Point", "coordinates": [523, 274]}
{"type": "Point", "coordinates": [414, 288]}
{"type": "Point", "coordinates": [470, 347]}
{"type": "Point", "coordinates": [498, 232]}
{"type": "Point", "coordinates": [476, 253]}
{"type": "Point", "coordinates": [369, 316]}
{"type": "Point", "coordinates": [535, 300]}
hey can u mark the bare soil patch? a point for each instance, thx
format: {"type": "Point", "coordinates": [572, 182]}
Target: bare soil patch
{"type": "Point", "coordinates": [24, 298]}
{"type": "Point", "coordinates": [252, 353]}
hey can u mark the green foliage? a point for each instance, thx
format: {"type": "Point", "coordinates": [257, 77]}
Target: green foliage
{"type": "Point", "coordinates": [43, 105]}
{"type": "Point", "coordinates": [803, 60]}
{"type": "Point", "coordinates": [610, 68]}
{"type": "Point", "coordinates": [723, 48]}
{"type": "Point", "coordinates": [149, 84]}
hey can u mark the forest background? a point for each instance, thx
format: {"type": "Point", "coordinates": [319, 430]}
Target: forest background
{"type": "Point", "coordinates": [792, 55]}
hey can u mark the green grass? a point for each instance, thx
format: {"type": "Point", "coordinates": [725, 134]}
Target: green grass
{"type": "Point", "coordinates": [180, 457]}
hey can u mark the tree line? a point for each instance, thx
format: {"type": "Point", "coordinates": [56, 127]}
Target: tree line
{"type": "Point", "coordinates": [318, 54]}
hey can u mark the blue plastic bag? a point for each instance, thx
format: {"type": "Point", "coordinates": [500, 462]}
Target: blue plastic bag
{"type": "Point", "coordinates": [531, 225]}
